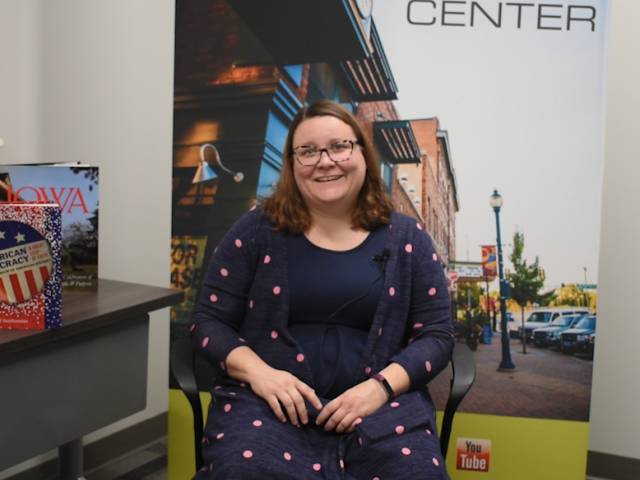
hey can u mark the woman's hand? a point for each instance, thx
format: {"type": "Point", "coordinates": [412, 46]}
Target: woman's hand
{"type": "Point", "coordinates": [280, 388]}
{"type": "Point", "coordinates": [347, 410]}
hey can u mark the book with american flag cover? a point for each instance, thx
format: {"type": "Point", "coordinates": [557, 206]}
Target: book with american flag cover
{"type": "Point", "coordinates": [30, 266]}
{"type": "Point", "coordinates": [75, 187]}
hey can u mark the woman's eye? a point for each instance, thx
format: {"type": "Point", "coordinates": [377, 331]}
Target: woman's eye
{"type": "Point", "coordinates": [340, 147]}
{"type": "Point", "coordinates": [307, 152]}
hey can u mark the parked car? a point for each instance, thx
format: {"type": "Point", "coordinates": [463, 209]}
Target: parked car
{"type": "Point", "coordinates": [576, 339]}
{"type": "Point", "coordinates": [550, 336]}
{"type": "Point", "coordinates": [544, 316]}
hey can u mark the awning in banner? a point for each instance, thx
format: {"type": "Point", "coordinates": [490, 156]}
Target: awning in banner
{"type": "Point", "coordinates": [370, 78]}
{"type": "Point", "coordinates": [297, 32]}
{"type": "Point", "coordinates": [397, 142]}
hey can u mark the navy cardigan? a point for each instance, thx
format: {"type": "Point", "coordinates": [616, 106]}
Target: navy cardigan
{"type": "Point", "coordinates": [245, 301]}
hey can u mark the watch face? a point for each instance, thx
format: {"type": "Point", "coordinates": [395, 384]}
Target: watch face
{"type": "Point", "coordinates": [364, 7]}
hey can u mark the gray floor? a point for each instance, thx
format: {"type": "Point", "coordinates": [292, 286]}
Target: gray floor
{"type": "Point", "coordinates": [146, 463]}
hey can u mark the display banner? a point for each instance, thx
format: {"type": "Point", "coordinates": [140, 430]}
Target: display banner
{"type": "Point", "coordinates": [488, 118]}
{"type": "Point", "coordinates": [519, 87]}
{"type": "Point", "coordinates": [489, 261]}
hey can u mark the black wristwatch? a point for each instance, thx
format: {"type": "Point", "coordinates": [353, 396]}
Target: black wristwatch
{"type": "Point", "coordinates": [383, 381]}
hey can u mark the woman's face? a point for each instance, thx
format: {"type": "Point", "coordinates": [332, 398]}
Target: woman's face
{"type": "Point", "coordinates": [327, 184]}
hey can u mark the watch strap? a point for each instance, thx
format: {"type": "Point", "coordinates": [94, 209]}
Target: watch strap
{"type": "Point", "coordinates": [385, 384]}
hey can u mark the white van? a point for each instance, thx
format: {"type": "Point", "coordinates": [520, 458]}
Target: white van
{"type": "Point", "coordinates": [542, 317]}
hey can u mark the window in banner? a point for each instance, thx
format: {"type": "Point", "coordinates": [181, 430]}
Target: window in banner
{"type": "Point", "coordinates": [386, 171]}
{"type": "Point", "coordinates": [269, 175]}
{"type": "Point", "coordinates": [272, 156]}
{"type": "Point", "coordinates": [294, 72]}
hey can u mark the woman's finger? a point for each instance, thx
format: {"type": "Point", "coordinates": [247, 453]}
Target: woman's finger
{"type": "Point", "coordinates": [310, 394]}
{"type": "Point", "coordinates": [328, 410]}
{"type": "Point", "coordinates": [354, 424]}
{"type": "Point", "coordinates": [301, 408]}
{"type": "Point", "coordinates": [289, 406]}
{"type": "Point", "coordinates": [277, 409]}
{"type": "Point", "coordinates": [346, 422]}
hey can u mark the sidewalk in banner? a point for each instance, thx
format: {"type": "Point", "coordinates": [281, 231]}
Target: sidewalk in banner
{"type": "Point", "coordinates": [545, 384]}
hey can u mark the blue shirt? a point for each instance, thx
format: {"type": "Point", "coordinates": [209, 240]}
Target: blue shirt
{"type": "Point", "coordinates": [333, 298]}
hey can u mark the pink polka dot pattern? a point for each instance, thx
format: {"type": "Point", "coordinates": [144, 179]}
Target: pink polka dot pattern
{"type": "Point", "coordinates": [399, 429]}
{"type": "Point", "coordinates": [287, 456]}
{"type": "Point", "coordinates": [213, 298]}
{"type": "Point", "coordinates": [220, 436]}
{"type": "Point", "coordinates": [380, 332]}
{"type": "Point", "coordinates": [435, 461]}
{"type": "Point", "coordinates": [432, 291]}
{"type": "Point", "coordinates": [392, 291]}
{"type": "Point", "coordinates": [360, 441]}
{"type": "Point", "coordinates": [428, 431]}
{"type": "Point", "coordinates": [224, 272]}
{"type": "Point", "coordinates": [238, 243]}
{"type": "Point", "coordinates": [267, 259]}
{"type": "Point", "coordinates": [406, 451]}
{"type": "Point", "coordinates": [435, 257]}
{"type": "Point", "coordinates": [276, 290]}
{"type": "Point", "coordinates": [247, 454]}
{"type": "Point", "coordinates": [300, 358]}
{"type": "Point", "coordinates": [192, 327]}
{"type": "Point", "coordinates": [227, 407]}
{"type": "Point", "coordinates": [242, 340]}
{"type": "Point", "coordinates": [367, 370]}
{"type": "Point", "coordinates": [253, 207]}
{"type": "Point", "coordinates": [317, 467]}
{"type": "Point", "coordinates": [419, 226]}
{"type": "Point", "coordinates": [428, 366]}
{"type": "Point", "coordinates": [394, 404]}
{"type": "Point", "coordinates": [251, 303]}
{"type": "Point", "coordinates": [375, 478]}
{"type": "Point", "coordinates": [257, 423]}
{"type": "Point", "coordinates": [205, 342]}
{"type": "Point", "coordinates": [274, 334]}
{"type": "Point", "coordinates": [223, 366]}
{"type": "Point", "coordinates": [342, 464]}
{"type": "Point", "coordinates": [408, 248]}
{"type": "Point", "coordinates": [418, 325]}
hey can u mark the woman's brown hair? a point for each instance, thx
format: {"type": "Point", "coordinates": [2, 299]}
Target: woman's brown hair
{"type": "Point", "coordinates": [285, 206]}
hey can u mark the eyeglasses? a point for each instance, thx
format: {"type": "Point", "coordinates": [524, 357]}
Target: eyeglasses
{"type": "Point", "coordinates": [341, 151]}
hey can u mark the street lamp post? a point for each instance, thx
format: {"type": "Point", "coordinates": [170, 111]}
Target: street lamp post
{"type": "Point", "coordinates": [505, 363]}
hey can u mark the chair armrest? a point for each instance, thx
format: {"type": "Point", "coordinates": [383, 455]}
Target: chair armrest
{"type": "Point", "coordinates": [182, 370]}
{"type": "Point", "coordinates": [464, 374]}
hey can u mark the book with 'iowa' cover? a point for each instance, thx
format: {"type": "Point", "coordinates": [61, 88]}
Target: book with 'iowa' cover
{"type": "Point", "coordinates": [30, 266]}
{"type": "Point", "coordinates": [75, 189]}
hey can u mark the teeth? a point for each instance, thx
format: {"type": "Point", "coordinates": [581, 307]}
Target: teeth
{"type": "Point", "coordinates": [328, 179]}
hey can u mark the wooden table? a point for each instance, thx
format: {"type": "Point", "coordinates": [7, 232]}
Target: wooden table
{"type": "Point", "coordinates": [58, 385]}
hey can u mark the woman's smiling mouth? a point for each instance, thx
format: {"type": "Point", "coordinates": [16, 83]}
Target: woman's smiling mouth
{"type": "Point", "coordinates": [328, 178]}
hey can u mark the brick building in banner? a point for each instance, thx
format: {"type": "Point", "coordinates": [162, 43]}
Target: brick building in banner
{"type": "Point", "coordinates": [242, 71]}
{"type": "Point", "coordinates": [431, 185]}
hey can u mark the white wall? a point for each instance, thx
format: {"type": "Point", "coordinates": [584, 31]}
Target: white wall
{"type": "Point", "coordinates": [615, 412]}
{"type": "Point", "coordinates": [92, 80]}
{"type": "Point", "coordinates": [19, 72]}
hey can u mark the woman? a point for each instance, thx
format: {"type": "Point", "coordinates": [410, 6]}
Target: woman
{"type": "Point", "coordinates": [329, 315]}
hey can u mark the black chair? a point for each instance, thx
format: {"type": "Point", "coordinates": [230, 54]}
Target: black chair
{"type": "Point", "coordinates": [185, 362]}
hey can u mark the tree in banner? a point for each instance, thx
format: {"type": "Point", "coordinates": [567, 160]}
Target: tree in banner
{"type": "Point", "coordinates": [571, 295]}
{"type": "Point", "coordinates": [526, 280]}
